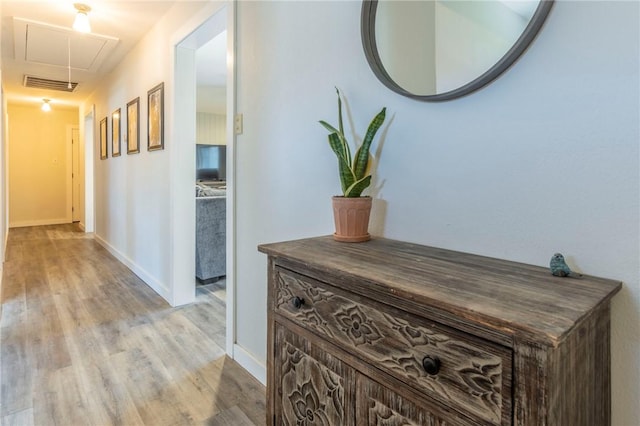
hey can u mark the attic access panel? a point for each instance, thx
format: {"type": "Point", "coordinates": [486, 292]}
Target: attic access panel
{"type": "Point", "coordinates": [45, 44]}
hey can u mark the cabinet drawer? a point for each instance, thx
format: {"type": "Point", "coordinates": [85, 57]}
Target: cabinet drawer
{"type": "Point", "coordinates": [473, 376]}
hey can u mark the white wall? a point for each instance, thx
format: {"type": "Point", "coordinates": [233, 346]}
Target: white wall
{"type": "Point", "coordinates": [4, 205]}
{"type": "Point", "coordinates": [4, 217]}
{"type": "Point", "coordinates": [211, 99]}
{"type": "Point", "coordinates": [544, 159]}
{"type": "Point", "coordinates": [133, 193]}
{"type": "Point", "coordinates": [211, 128]}
{"type": "Point", "coordinates": [39, 164]}
{"type": "Point", "coordinates": [4, 174]}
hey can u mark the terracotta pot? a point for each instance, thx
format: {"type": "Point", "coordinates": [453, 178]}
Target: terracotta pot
{"type": "Point", "coordinates": [351, 216]}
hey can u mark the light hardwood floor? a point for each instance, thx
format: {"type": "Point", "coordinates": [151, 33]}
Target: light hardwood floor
{"type": "Point", "coordinates": [83, 341]}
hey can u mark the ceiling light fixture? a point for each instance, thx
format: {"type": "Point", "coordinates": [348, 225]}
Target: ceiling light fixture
{"type": "Point", "coordinates": [46, 107]}
{"type": "Point", "coordinates": [81, 23]}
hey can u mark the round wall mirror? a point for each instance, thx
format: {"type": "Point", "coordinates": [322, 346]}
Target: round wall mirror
{"type": "Point", "coordinates": [436, 50]}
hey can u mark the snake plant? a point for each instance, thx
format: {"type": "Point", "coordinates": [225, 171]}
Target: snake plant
{"type": "Point", "coordinates": [354, 171]}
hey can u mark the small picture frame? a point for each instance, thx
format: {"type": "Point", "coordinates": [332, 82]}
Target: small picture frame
{"type": "Point", "coordinates": [155, 118]}
{"type": "Point", "coordinates": [115, 133]}
{"type": "Point", "coordinates": [103, 139]}
{"type": "Point", "coordinates": [133, 128]}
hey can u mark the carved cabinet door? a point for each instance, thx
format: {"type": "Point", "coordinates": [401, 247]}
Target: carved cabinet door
{"type": "Point", "coordinates": [377, 405]}
{"type": "Point", "coordinates": [314, 387]}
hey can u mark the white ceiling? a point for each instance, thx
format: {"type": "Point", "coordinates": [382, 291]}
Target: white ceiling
{"type": "Point", "coordinates": [116, 26]}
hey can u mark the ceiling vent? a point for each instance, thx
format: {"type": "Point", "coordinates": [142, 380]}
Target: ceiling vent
{"type": "Point", "coordinates": [43, 83]}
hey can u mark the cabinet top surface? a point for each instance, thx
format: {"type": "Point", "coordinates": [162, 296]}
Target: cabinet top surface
{"type": "Point", "coordinates": [512, 297]}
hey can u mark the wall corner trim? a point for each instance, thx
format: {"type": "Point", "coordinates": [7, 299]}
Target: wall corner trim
{"type": "Point", "coordinates": [247, 361]}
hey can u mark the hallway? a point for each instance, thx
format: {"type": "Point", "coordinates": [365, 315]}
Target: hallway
{"type": "Point", "coordinates": [85, 342]}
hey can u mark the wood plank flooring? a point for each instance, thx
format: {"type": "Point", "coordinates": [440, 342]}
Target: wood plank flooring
{"type": "Point", "coordinates": [83, 341]}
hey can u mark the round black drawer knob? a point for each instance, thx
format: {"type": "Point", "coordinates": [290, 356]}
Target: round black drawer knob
{"type": "Point", "coordinates": [297, 302]}
{"type": "Point", "coordinates": [431, 364]}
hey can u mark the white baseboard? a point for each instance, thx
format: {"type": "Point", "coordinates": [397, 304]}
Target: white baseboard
{"type": "Point", "coordinates": [140, 272]}
{"type": "Point", "coordinates": [41, 222]}
{"type": "Point", "coordinates": [256, 368]}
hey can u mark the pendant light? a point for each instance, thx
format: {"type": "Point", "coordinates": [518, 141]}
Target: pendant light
{"type": "Point", "coordinates": [69, 86]}
{"type": "Point", "coordinates": [81, 23]}
{"type": "Point", "coordinates": [46, 107]}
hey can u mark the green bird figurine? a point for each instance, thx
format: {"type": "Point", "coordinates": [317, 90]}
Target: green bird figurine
{"type": "Point", "coordinates": [559, 267]}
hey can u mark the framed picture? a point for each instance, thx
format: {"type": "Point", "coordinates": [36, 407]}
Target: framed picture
{"type": "Point", "coordinates": [115, 133]}
{"type": "Point", "coordinates": [155, 118]}
{"type": "Point", "coordinates": [133, 129]}
{"type": "Point", "coordinates": [103, 139]}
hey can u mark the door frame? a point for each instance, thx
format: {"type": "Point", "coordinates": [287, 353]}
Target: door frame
{"type": "Point", "coordinates": [68, 171]}
{"type": "Point", "coordinates": [71, 146]}
{"type": "Point", "coordinates": [75, 173]}
{"type": "Point", "coordinates": [87, 132]}
{"type": "Point", "coordinates": [182, 169]}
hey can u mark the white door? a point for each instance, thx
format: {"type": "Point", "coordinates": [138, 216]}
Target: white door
{"type": "Point", "coordinates": [75, 174]}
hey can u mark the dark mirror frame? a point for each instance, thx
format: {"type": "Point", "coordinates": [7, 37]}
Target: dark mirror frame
{"type": "Point", "coordinates": [369, 8]}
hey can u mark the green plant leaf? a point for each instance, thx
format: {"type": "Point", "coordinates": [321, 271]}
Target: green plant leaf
{"type": "Point", "coordinates": [346, 175]}
{"type": "Point", "coordinates": [337, 145]}
{"type": "Point", "coordinates": [340, 113]}
{"type": "Point", "coordinates": [357, 187]}
{"type": "Point", "coordinates": [346, 151]}
{"type": "Point", "coordinates": [361, 159]}
{"type": "Point", "coordinates": [329, 127]}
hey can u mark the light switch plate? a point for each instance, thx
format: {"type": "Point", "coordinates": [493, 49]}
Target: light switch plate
{"type": "Point", "coordinates": [237, 124]}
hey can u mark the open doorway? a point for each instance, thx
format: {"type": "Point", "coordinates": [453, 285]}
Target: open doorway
{"type": "Point", "coordinates": [203, 245]}
{"type": "Point", "coordinates": [211, 163]}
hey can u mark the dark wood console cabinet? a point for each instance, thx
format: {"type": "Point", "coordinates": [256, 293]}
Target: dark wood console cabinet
{"type": "Point", "coordinates": [392, 333]}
